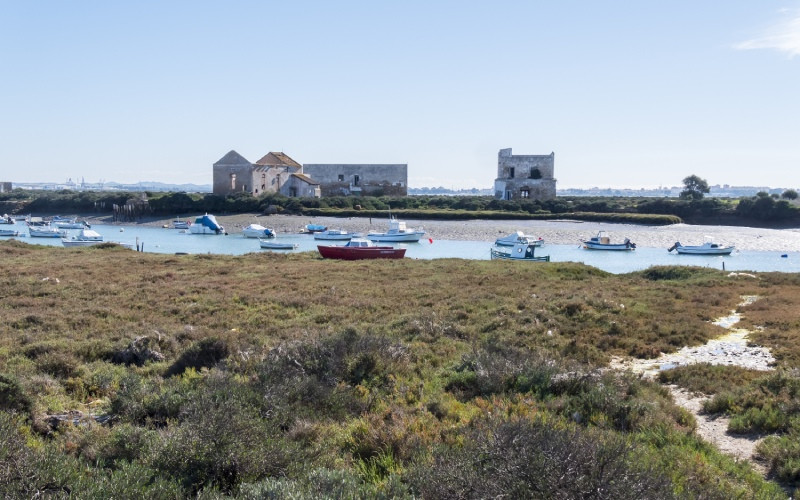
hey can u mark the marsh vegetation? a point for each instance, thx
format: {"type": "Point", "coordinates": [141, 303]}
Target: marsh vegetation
{"type": "Point", "coordinates": [145, 375]}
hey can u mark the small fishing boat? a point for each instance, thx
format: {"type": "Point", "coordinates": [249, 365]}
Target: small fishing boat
{"type": "Point", "coordinates": [513, 238]}
{"type": "Point", "coordinates": [707, 248]}
{"type": "Point", "coordinates": [257, 231]}
{"type": "Point", "coordinates": [9, 232]}
{"type": "Point", "coordinates": [335, 234]}
{"type": "Point", "coordinates": [69, 224]}
{"type": "Point", "coordinates": [522, 250]}
{"type": "Point", "coordinates": [46, 231]}
{"type": "Point", "coordinates": [398, 232]}
{"type": "Point", "coordinates": [358, 249]}
{"type": "Point", "coordinates": [277, 245]}
{"type": "Point", "coordinates": [7, 219]}
{"type": "Point", "coordinates": [85, 238]}
{"type": "Point", "coordinates": [603, 242]}
{"type": "Point", "coordinates": [181, 224]}
{"type": "Point", "coordinates": [315, 228]}
{"type": "Point", "coordinates": [206, 224]}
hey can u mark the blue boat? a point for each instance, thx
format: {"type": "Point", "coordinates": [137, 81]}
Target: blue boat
{"type": "Point", "coordinates": [316, 228]}
{"type": "Point", "coordinates": [206, 224]}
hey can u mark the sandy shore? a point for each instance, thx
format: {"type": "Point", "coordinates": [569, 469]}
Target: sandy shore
{"type": "Point", "coordinates": [556, 232]}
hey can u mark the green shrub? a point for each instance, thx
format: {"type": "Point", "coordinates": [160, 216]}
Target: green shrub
{"type": "Point", "coordinates": [12, 396]}
{"type": "Point", "coordinates": [205, 353]}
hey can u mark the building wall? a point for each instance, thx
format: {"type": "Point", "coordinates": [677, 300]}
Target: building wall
{"type": "Point", "coordinates": [271, 179]}
{"type": "Point", "coordinates": [295, 187]}
{"type": "Point", "coordinates": [5, 187]}
{"type": "Point", "coordinates": [354, 179]}
{"type": "Point", "coordinates": [226, 168]}
{"type": "Point", "coordinates": [514, 179]}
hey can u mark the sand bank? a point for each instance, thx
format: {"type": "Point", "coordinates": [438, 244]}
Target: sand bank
{"type": "Point", "coordinates": [556, 231]}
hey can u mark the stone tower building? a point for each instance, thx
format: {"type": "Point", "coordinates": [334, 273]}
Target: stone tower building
{"type": "Point", "coordinates": [525, 176]}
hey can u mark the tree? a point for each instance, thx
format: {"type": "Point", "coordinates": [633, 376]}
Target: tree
{"type": "Point", "coordinates": [789, 194]}
{"type": "Point", "coordinates": [695, 188]}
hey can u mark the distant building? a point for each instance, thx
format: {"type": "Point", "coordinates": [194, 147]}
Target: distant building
{"type": "Point", "coordinates": [525, 176]}
{"type": "Point", "coordinates": [5, 187]}
{"type": "Point", "coordinates": [273, 173]}
{"type": "Point", "coordinates": [338, 179]}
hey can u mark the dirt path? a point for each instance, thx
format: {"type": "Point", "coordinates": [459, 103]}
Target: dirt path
{"type": "Point", "coordinates": [729, 349]}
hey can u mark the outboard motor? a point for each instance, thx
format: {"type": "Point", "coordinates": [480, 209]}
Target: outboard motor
{"type": "Point", "coordinates": [673, 247]}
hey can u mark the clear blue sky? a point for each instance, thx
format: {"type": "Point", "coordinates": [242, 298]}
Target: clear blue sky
{"type": "Point", "coordinates": [627, 94]}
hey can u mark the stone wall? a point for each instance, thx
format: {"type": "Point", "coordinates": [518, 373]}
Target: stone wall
{"type": "Point", "coordinates": [355, 179]}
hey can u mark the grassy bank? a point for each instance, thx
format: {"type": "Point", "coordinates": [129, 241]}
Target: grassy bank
{"type": "Point", "coordinates": [285, 375]}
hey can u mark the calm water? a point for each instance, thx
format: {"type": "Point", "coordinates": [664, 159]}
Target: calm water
{"type": "Point", "coordinates": [160, 240]}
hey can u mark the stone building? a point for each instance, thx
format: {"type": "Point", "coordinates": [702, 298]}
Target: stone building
{"type": "Point", "coordinates": [358, 179]}
{"type": "Point", "coordinates": [524, 176]}
{"type": "Point", "coordinates": [273, 173]}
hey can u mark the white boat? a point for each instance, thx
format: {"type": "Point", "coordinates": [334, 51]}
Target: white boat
{"type": "Point", "coordinates": [9, 232]}
{"type": "Point", "coordinates": [206, 224]}
{"type": "Point", "coordinates": [707, 248]}
{"type": "Point", "coordinates": [522, 250]}
{"type": "Point", "coordinates": [398, 232]}
{"type": "Point", "coordinates": [276, 245]}
{"type": "Point", "coordinates": [336, 234]}
{"type": "Point", "coordinates": [181, 224]}
{"type": "Point", "coordinates": [513, 238]}
{"type": "Point", "coordinates": [85, 238]}
{"type": "Point", "coordinates": [603, 242]}
{"type": "Point", "coordinates": [69, 224]}
{"type": "Point", "coordinates": [46, 231]}
{"type": "Point", "coordinates": [7, 219]}
{"type": "Point", "coordinates": [257, 231]}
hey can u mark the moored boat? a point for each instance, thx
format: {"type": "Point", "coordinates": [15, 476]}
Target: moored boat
{"type": "Point", "coordinates": [707, 248]}
{"type": "Point", "coordinates": [85, 238]}
{"type": "Point", "coordinates": [315, 228]}
{"type": "Point", "coordinates": [277, 245]}
{"type": "Point", "coordinates": [181, 224]}
{"type": "Point", "coordinates": [335, 234]}
{"type": "Point", "coordinates": [69, 224]}
{"type": "Point", "coordinates": [513, 238]}
{"type": "Point", "coordinates": [257, 231]}
{"type": "Point", "coordinates": [206, 224]}
{"type": "Point", "coordinates": [603, 242]}
{"type": "Point", "coordinates": [46, 231]}
{"type": "Point", "coordinates": [358, 249]}
{"type": "Point", "coordinates": [398, 232]}
{"type": "Point", "coordinates": [9, 232]}
{"type": "Point", "coordinates": [7, 219]}
{"type": "Point", "coordinates": [523, 250]}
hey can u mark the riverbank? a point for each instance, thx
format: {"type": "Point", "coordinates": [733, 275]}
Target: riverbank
{"type": "Point", "coordinates": [555, 231]}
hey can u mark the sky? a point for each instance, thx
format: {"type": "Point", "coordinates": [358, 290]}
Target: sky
{"type": "Point", "coordinates": [626, 94]}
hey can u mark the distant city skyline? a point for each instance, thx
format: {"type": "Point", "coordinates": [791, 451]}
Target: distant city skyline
{"type": "Point", "coordinates": [627, 95]}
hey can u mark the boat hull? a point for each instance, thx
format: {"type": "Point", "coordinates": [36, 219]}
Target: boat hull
{"type": "Point", "coordinates": [704, 251]}
{"type": "Point", "coordinates": [396, 238]}
{"type": "Point", "coordinates": [8, 232]}
{"type": "Point", "coordinates": [500, 255]}
{"type": "Point", "coordinates": [271, 245]}
{"type": "Point", "coordinates": [41, 233]}
{"type": "Point", "coordinates": [354, 253]}
{"type": "Point", "coordinates": [590, 245]}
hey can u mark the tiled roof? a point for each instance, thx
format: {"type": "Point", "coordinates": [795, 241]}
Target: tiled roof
{"type": "Point", "coordinates": [278, 159]}
{"type": "Point", "coordinates": [306, 179]}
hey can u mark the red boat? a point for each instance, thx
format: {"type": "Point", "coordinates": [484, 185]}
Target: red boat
{"type": "Point", "coordinates": [359, 248]}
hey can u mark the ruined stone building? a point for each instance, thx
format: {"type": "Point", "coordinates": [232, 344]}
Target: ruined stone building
{"type": "Point", "coordinates": [273, 173]}
{"type": "Point", "coordinates": [360, 179]}
{"type": "Point", "coordinates": [524, 176]}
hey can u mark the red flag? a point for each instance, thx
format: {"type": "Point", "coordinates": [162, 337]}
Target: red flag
{"type": "Point", "coordinates": [430, 240]}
